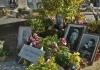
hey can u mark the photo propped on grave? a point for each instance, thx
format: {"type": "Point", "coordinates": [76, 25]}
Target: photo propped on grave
{"type": "Point", "coordinates": [72, 35]}
{"type": "Point", "coordinates": [88, 47]}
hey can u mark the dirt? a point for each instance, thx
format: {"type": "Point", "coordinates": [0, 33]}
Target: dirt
{"type": "Point", "coordinates": [95, 66]}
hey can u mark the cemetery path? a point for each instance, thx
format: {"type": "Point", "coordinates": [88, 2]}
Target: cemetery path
{"type": "Point", "coordinates": [10, 64]}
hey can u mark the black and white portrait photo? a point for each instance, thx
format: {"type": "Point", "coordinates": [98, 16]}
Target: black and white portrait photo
{"type": "Point", "coordinates": [72, 35]}
{"type": "Point", "coordinates": [88, 46]}
{"type": "Point", "coordinates": [23, 34]}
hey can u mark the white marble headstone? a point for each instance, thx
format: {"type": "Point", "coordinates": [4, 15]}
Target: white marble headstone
{"type": "Point", "coordinates": [2, 3]}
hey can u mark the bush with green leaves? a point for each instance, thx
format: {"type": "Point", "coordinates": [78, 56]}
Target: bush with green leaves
{"type": "Point", "coordinates": [63, 57]}
{"type": "Point", "coordinates": [3, 52]}
{"type": "Point", "coordinates": [94, 27]}
{"type": "Point", "coordinates": [47, 41]}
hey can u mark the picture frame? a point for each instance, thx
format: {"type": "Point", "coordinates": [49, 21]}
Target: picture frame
{"type": "Point", "coordinates": [23, 33]}
{"type": "Point", "coordinates": [72, 35]}
{"type": "Point", "coordinates": [88, 46]}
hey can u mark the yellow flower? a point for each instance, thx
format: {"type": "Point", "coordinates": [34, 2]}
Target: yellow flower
{"type": "Point", "coordinates": [78, 1]}
{"type": "Point", "coordinates": [77, 53]}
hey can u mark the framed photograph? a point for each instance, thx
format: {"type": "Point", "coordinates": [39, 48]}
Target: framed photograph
{"type": "Point", "coordinates": [88, 46]}
{"type": "Point", "coordinates": [23, 34]}
{"type": "Point", "coordinates": [72, 35]}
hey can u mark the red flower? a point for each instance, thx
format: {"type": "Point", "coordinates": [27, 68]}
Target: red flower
{"type": "Point", "coordinates": [63, 41]}
{"type": "Point", "coordinates": [80, 22]}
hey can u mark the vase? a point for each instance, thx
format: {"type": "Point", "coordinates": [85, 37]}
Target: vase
{"type": "Point", "coordinates": [2, 58]}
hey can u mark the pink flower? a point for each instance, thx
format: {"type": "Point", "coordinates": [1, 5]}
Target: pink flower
{"type": "Point", "coordinates": [80, 22]}
{"type": "Point", "coordinates": [34, 34]}
{"type": "Point", "coordinates": [63, 41]}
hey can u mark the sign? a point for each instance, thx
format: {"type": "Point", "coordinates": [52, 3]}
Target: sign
{"type": "Point", "coordinates": [30, 53]}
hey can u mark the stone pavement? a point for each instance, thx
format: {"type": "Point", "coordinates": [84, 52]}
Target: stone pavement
{"type": "Point", "coordinates": [10, 20]}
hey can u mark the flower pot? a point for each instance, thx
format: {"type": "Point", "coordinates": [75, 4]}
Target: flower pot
{"type": "Point", "coordinates": [2, 58]}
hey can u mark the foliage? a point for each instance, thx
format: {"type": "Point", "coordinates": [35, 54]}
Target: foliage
{"type": "Point", "coordinates": [47, 41]}
{"type": "Point", "coordinates": [94, 27]}
{"type": "Point", "coordinates": [63, 57]}
{"type": "Point", "coordinates": [20, 9]}
{"type": "Point", "coordinates": [43, 65]}
{"type": "Point", "coordinates": [36, 24]}
{"type": "Point", "coordinates": [68, 8]}
{"type": "Point", "coordinates": [39, 25]}
{"type": "Point", "coordinates": [88, 8]}
{"type": "Point", "coordinates": [1, 42]}
{"type": "Point", "coordinates": [75, 59]}
{"type": "Point", "coordinates": [3, 52]}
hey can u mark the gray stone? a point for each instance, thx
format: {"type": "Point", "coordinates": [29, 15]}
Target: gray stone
{"type": "Point", "coordinates": [34, 4]}
{"type": "Point", "coordinates": [10, 44]}
{"type": "Point", "coordinates": [22, 4]}
{"type": "Point", "coordinates": [2, 3]}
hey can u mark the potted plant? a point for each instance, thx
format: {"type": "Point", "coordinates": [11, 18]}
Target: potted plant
{"type": "Point", "coordinates": [3, 54]}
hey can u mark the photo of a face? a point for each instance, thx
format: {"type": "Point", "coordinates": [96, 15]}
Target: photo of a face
{"type": "Point", "coordinates": [88, 46]}
{"type": "Point", "coordinates": [73, 34]}
{"type": "Point", "coordinates": [24, 33]}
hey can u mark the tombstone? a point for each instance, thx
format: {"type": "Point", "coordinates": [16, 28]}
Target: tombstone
{"type": "Point", "coordinates": [34, 4]}
{"type": "Point", "coordinates": [22, 4]}
{"type": "Point", "coordinates": [7, 3]}
{"type": "Point", "coordinates": [10, 44]}
{"type": "Point", "coordinates": [2, 4]}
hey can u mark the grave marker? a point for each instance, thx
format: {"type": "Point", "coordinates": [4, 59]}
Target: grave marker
{"type": "Point", "coordinates": [30, 53]}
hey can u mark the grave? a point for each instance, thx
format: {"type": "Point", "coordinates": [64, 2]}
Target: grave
{"type": "Point", "coordinates": [34, 4]}
{"type": "Point", "coordinates": [2, 4]}
{"type": "Point", "coordinates": [10, 44]}
{"type": "Point", "coordinates": [10, 26]}
{"type": "Point", "coordinates": [23, 4]}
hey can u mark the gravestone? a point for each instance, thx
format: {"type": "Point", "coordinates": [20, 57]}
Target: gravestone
{"type": "Point", "coordinates": [22, 4]}
{"type": "Point", "coordinates": [7, 3]}
{"type": "Point", "coordinates": [34, 4]}
{"type": "Point", "coordinates": [10, 44]}
{"type": "Point", "coordinates": [2, 4]}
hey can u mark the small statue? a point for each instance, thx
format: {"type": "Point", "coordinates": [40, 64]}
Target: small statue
{"type": "Point", "coordinates": [59, 20]}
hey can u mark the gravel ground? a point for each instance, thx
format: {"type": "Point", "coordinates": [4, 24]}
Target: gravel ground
{"type": "Point", "coordinates": [10, 64]}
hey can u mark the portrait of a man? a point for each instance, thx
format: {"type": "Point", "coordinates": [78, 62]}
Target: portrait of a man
{"type": "Point", "coordinates": [72, 35]}
{"type": "Point", "coordinates": [88, 46]}
{"type": "Point", "coordinates": [24, 33]}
